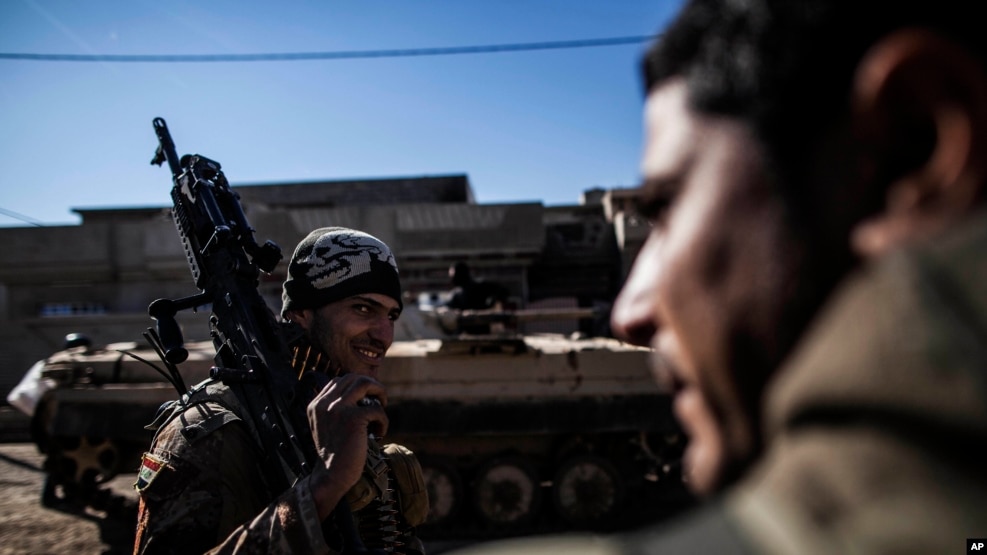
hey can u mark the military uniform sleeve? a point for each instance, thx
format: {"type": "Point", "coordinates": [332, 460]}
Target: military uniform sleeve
{"type": "Point", "coordinates": [201, 491]}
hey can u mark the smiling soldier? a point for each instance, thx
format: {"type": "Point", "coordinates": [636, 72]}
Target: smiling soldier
{"type": "Point", "coordinates": [201, 484]}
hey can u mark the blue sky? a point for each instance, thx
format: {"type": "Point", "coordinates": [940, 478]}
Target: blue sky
{"type": "Point", "coordinates": [524, 126]}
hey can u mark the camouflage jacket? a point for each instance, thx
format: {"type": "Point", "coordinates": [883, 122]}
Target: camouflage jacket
{"type": "Point", "coordinates": [877, 425]}
{"type": "Point", "coordinates": [202, 489]}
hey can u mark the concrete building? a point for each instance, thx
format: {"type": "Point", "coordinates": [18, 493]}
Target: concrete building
{"type": "Point", "coordinates": [98, 277]}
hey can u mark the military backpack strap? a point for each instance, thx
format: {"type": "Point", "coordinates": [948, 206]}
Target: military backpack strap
{"type": "Point", "coordinates": [200, 393]}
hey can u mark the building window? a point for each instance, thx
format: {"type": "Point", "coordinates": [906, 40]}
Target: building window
{"type": "Point", "coordinates": [79, 308]}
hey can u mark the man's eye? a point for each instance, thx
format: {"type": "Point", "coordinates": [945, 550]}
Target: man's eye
{"type": "Point", "coordinates": [654, 208]}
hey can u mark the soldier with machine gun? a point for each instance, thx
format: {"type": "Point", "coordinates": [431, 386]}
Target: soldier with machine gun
{"type": "Point", "coordinates": [226, 472]}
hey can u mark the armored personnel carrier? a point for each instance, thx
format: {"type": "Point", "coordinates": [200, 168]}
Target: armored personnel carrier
{"type": "Point", "coordinates": [517, 433]}
{"type": "Point", "coordinates": [91, 408]}
{"type": "Point", "coordinates": [522, 433]}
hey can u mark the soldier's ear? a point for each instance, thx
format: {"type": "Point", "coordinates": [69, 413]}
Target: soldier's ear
{"type": "Point", "coordinates": [919, 105]}
{"type": "Point", "coordinates": [301, 317]}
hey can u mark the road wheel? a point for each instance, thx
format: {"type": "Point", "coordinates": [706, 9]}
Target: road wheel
{"type": "Point", "coordinates": [79, 465]}
{"type": "Point", "coordinates": [587, 490]}
{"type": "Point", "coordinates": [95, 459]}
{"type": "Point", "coordinates": [445, 492]}
{"type": "Point", "coordinates": [506, 492]}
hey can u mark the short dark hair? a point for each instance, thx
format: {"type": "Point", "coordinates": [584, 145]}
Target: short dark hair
{"type": "Point", "coordinates": [784, 67]}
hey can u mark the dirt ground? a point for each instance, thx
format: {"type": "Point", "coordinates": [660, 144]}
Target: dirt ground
{"type": "Point", "coordinates": [28, 527]}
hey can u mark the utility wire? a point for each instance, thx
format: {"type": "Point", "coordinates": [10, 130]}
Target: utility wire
{"type": "Point", "coordinates": [296, 56]}
{"type": "Point", "coordinates": [337, 55]}
{"type": "Point", "coordinates": [21, 217]}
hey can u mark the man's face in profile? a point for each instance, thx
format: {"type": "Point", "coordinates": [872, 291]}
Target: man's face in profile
{"type": "Point", "coordinates": [709, 291]}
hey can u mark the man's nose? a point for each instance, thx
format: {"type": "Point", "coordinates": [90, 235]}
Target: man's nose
{"type": "Point", "coordinates": [633, 315]}
{"type": "Point", "coordinates": [383, 330]}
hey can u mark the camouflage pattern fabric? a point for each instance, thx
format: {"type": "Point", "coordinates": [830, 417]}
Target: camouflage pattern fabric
{"type": "Point", "coordinates": [202, 489]}
{"type": "Point", "coordinates": [877, 426]}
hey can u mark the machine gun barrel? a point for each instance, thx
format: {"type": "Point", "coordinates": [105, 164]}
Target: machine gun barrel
{"type": "Point", "coordinates": [166, 148]}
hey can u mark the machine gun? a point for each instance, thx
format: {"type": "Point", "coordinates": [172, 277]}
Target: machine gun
{"type": "Point", "coordinates": [252, 353]}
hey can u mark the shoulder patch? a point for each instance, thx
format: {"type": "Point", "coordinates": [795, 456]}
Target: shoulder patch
{"type": "Point", "coordinates": [150, 467]}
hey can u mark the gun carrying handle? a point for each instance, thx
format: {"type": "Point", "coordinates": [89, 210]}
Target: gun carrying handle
{"type": "Point", "coordinates": [163, 311]}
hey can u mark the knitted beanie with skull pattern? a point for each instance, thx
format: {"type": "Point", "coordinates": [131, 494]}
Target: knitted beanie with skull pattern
{"type": "Point", "coordinates": [333, 263]}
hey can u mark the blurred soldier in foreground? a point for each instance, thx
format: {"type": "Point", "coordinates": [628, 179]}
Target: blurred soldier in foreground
{"type": "Point", "coordinates": [814, 282]}
{"type": "Point", "coordinates": [201, 486]}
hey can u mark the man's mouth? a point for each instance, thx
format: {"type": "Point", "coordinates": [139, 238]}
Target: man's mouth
{"type": "Point", "coordinates": [665, 373]}
{"type": "Point", "coordinates": [669, 377]}
{"type": "Point", "coordinates": [371, 352]}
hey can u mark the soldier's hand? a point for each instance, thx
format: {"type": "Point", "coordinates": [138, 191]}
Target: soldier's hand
{"type": "Point", "coordinates": [340, 421]}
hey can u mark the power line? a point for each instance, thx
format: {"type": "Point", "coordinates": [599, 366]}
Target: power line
{"type": "Point", "coordinates": [21, 217]}
{"type": "Point", "coordinates": [337, 55]}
